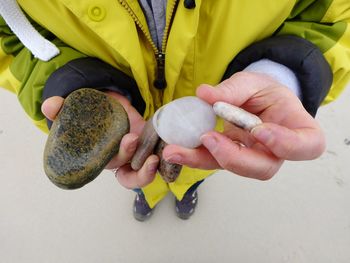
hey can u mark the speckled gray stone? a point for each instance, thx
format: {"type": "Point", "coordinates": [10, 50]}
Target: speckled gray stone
{"type": "Point", "coordinates": [168, 171]}
{"type": "Point", "coordinates": [83, 138]}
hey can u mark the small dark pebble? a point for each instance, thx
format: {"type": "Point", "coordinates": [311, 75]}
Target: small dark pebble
{"type": "Point", "coordinates": [168, 171]}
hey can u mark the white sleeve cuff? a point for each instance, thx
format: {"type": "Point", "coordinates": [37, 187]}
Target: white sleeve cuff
{"type": "Point", "coordinates": [278, 72]}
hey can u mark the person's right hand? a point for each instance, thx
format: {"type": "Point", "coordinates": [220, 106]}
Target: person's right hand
{"type": "Point", "coordinates": [120, 163]}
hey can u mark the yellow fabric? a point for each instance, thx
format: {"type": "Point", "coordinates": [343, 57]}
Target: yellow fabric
{"type": "Point", "coordinates": [341, 66]}
{"type": "Point", "coordinates": [338, 56]}
{"type": "Point", "coordinates": [7, 80]}
{"type": "Point", "coordinates": [42, 125]}
{"type": "Point", "coordinates": [201, 43]}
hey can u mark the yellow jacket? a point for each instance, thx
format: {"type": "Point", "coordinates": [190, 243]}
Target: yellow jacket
{"type": "Point", "coordinates": [200, 44]}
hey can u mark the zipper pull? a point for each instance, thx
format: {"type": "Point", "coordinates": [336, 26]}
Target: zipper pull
{"type": "Point", "coordinates": [160, 82]}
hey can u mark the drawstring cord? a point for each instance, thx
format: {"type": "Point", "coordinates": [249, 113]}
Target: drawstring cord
{"type": "Point", "coordinates": [27, 34]}
{"type": "Point", "coordinates": [40, 47]}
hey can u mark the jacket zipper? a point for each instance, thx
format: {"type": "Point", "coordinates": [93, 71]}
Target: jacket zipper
{"type": "Point", "coordinates": [160, 81]}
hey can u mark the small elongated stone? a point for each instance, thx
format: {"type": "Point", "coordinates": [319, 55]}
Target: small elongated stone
{"type": "Point", "coordinates": [236, 115]}
{"type": "Point", "coordinates": [150, 143]}
{"type": "Point", "coordinates": [147, 143]}
{"type": "Point", "coordinates": [168, 171]}
{"type": "Point", "coordinates": [83, 138]}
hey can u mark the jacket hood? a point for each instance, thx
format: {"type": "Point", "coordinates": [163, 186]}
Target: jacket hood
{"type": "Point", "coordinates": [40, 47]}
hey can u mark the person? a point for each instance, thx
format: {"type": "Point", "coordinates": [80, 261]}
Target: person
{"type": "Point", "coordinates": [279, 60]}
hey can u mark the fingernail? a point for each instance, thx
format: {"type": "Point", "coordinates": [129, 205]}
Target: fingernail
{"type": "Point", "coordinates": [152, 167]}
{"type": "Point", "coordinates": [261, 133]}
{"type": "Point", "coordinates": [174, 159]}
{"type": "Point", "coordinates": [209, 142]}
{"type": "Point", "coordinates": [134, 140]}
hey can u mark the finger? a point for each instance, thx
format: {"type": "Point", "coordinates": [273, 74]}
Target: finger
{"type": "Point", "coordinates": [196, 158]}
{"type": "Point", "coordinates": [244, 161]}
{"type": "Point", "coordinates": [131, 179]}
{"type": "Point", "coordinates": [238, 134]}
{"type": "Point", "coordinates": [298, 144]}
{"type": "Point", "coordinates": [51, 107]}
{"type": "Point", "coordinates": [127, 149]}
{"type": "Point", "coordinates": [235, 90]}
{"type": "Point", "coordinates": [200, 157]}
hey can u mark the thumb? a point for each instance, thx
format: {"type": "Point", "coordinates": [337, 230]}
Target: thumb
{"type": "Point", "coordinates": [291, 144]}
{"type": "Point", "coordinates": [235, 90]}
{"type": "Point", "coordinates": [209, 93]}
{"type": "Point", "coordinates": [51, 107]}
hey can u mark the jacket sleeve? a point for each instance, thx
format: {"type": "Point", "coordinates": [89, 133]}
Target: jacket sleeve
{"type": "Point", "coordinates": [314, 42]}
{"type": "Point", "coordinates": [326, 24]}
{"type": "Point", "coordinates": [34, 81]}
{"type": "Point", "coordinates": [25, 75]}
{"type": "Point", "coordinates": [92, 73]}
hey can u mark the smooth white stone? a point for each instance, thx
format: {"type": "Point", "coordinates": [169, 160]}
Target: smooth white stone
{"type": "Point", "coordinates": [236, 115]}
{"type": "Point", "coordinates": [184, 121]}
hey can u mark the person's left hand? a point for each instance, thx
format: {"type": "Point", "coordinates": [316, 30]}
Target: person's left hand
{"type": "Point", "coordinates": [288, 131]}
{"type": "Point", "coordinates": [120, 163]}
